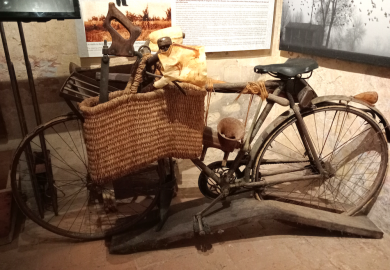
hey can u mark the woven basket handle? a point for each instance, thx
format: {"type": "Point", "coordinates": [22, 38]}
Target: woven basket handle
{"type": "Point", "coordinates": [131, 88]}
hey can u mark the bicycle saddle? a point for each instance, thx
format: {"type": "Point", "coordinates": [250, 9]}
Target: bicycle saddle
{"type": "Point", "coordinates": [290, 68]}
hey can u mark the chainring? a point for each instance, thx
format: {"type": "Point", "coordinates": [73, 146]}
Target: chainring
{"type": "Point", "coordinates": [208, 187]}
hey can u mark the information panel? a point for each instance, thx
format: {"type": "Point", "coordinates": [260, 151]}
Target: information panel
{"type": "Point", "coordinates": [219, 25]}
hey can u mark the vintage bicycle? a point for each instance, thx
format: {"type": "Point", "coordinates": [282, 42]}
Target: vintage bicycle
{"type": "Point", "coordinates": [327, 152]}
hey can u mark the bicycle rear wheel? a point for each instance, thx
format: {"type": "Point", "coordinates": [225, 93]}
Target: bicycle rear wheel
{"type": "Point", "coordinates": [71, 204]}
{"type": "Point", "coordinates": [350, 145]}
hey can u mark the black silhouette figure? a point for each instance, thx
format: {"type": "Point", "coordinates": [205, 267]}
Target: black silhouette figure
{"type": "Point", "coordinates": [118, 2]}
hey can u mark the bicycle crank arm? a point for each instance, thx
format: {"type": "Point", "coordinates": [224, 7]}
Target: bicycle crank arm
{"type": "Point", "coordinates": [270, 182]}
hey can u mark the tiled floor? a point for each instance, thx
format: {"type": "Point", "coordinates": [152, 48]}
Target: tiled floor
{"type": "Point", "coordinates": [257, 246]}
{"type": "Point", "coordinates": [263, 245]}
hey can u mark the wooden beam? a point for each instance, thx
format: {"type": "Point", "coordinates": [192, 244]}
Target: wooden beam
{"type": "Point", "coordinates": [5, 210]}
{"type": "Point", "coordinates": [237, 210]}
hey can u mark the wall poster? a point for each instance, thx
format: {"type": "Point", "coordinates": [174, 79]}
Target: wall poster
{"type": "Point", "coordinates": [219, 25]}
{"type": "Point", "coordinates": [354, 30]}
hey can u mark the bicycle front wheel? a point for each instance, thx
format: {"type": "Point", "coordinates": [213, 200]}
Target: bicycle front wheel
{"type": "Point", "coordinates": [350, 145]}
{"type": "Point", "coordinates": [61, 197]}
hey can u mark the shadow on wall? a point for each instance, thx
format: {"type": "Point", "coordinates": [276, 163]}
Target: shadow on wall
{"type": "Point", "coordinates": [51, 104]}
{"type": "Point", "coordinates": [341, 65]}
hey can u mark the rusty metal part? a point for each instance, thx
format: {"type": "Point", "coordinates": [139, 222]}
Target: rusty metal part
{"type": "Point", "coordinates": [264, 113]}
{"type": "Point", "coordinates": [307, 142]}
{"type": "Point", "coordinates": [279, 100]}
{"type": "Point", "coordinates": [144, 49]}
{"type": "Point", "coordinates": [271, 85]}
{"type": "Point", "coordinates": [121, 46]}
{"type": "Point", "coordinates": [79, 87]}
{"type": "Point", "coordinates": [164, 43]}
{"type": "Point", "coordinates": [305, 96]}
{"type": "Point", "coordinates": [269, 182]}
{"type": "Point", "coordinates": [105, 68]}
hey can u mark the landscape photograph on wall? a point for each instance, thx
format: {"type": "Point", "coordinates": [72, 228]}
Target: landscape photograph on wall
{"type": "Point", "coordinates": [355, 30]}
{"type": "Point", "coordinates": [150, 16]}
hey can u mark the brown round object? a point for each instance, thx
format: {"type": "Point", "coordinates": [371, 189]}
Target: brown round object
{"type": "Point", "coordinates": [231, 128]}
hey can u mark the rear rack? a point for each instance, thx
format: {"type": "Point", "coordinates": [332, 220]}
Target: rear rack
{"type": "Point", "coordinates": [79, 87]}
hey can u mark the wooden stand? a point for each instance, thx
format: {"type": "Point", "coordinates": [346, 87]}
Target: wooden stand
{"type": "Point", "coordinates": [8, 214]}
{"type": "Point", "coordinates": [237, 210]}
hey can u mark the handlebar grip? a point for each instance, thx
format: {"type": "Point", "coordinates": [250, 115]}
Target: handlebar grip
{"type": "Point", "coordinates": [280, 100]}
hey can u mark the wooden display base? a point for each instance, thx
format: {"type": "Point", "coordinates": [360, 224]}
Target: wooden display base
{"type": "Point", "coordinates": [8, 215]}
{"type": "Point", "coordinates": [236, 210]}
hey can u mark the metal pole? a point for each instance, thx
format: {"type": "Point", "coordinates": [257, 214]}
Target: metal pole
{"type": "Point", "coordinates": [14, 83]}
{"type": "Point", "coordinates": [46, 158]}
{"type": "Point", "coordinates": [30, 76]}
{"type": "Point", "coordinates": [105, 70]}
{"type": "Point", "coordinates": [22, 119]}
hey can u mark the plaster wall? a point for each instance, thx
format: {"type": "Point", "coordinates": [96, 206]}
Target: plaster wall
{"type": "Point", "coordinates": [53, 45]}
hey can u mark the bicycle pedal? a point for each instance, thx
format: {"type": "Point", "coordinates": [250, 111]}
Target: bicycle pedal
{"type": "Point", "coordinates": [200, 227]}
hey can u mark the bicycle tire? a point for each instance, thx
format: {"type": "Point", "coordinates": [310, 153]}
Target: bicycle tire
{"type": "Point", "coordinates": [365, 139]}
{"type": "Point", "coordinates": [92, 211]}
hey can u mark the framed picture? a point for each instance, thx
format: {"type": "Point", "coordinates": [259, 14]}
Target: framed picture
{"type": "Point", "coordinates": [354, 30]}
{"type": "Point", "coordinates": [39, 10]}
{"type": "Point", "coordinates": [207, 23]}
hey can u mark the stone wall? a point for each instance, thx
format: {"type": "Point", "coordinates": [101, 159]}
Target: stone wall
{"type": "Point", "coordinates": [53, 45]}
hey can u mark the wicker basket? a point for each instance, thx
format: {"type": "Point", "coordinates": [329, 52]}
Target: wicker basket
{"type": "Point", "coordinates": [132, 130]}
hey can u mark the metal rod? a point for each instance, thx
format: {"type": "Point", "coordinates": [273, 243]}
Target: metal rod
{"type": "Point", "coordinates": [86, 89]}
{"type": "Point", "coordinates": [14, 84]}
{"type": "Point", "coordinates": [236, 163]}
{"type": "Point", "coordinates": [22, 119]}
{"type": "Point", "coordinates": [30, 76]}
{"type": "Point", "coordinates": [171, 167]}
{"type": "Point", "coordinates": [105, 70]}
{"type": "Point", "coordinates": [247, 140]}
{"type": "Point", "coordinates": [81, 87]}
{"type": "Point", "coordinates": [302, 129]}
{"type": "Point", "coordinates": [78, 80]}
{"type": "Point", "coordinates": [269, 173]}
{"type": "Point", "coordinates": [265, 182]}
{"type": "Point", "coordinates": [263, 115]}
{"type": "Point", "coordinates": [206, 170]}
{"type": "Point", "coordinates": [78, 93]}
{"type": "Point", "coordinates": [74, 109]}
{"type": "Point", "coordinates": [38, 118]}
{"type": "Point", "coordinates": [220, 197]}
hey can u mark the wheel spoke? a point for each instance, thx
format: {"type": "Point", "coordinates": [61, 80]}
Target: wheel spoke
{"type": "Point", "coordinates": [83, 212]}
{"type": "Point", "coordinates": [349, 144]}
